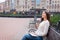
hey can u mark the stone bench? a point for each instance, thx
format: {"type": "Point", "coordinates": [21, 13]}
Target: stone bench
{"type": "Point", "coordinates": [53, 35]}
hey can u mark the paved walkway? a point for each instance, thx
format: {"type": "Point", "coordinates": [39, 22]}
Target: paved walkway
{"type": "Point", "coordinates": [13, 28]}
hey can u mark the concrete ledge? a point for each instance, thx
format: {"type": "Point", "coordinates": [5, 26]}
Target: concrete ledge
{"type": "Point", "coordinates": [22, 16]}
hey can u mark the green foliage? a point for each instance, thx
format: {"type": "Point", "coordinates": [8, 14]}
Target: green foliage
{"type": "Point", "coordinates": [55, 18]}
{"type": "Point", "coordinates": [9, 14]}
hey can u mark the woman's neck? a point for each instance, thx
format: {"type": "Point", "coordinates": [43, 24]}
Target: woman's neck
{"type": "Point", "coordinates": [45, 19]}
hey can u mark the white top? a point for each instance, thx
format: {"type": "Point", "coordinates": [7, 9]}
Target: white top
{"type": "Point", "coordinates": [42, 29]}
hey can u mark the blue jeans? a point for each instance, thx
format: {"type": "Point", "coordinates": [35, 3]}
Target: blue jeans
{"type": "Point", "coordinates": [30, 37]}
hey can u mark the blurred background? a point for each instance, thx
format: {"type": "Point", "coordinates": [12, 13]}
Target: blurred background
{"type": "Point", "coordinates": [17, 15]}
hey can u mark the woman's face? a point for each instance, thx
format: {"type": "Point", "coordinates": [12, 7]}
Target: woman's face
{"type": "Point", "coordinates": [43, 15]}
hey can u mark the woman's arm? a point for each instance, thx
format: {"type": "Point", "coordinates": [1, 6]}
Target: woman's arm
{"type": "Point", "coordinates": [37, 25]}
{"type": "Point", "coordinates": [44, 31]}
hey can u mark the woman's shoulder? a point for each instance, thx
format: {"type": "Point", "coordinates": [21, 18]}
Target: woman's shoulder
{"type": "Point", "coordinates": [46, 22]}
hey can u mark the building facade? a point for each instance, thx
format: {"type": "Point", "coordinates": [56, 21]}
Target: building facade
{"type": "Point", "coordinates": [42, 4]}
{"type": "Point", "coordinates": [7, 6]}
{"type": "Point", "coordinates": [53, 5]}
{"type": "Point", "coordinates": [2, 7]}
{"type": "Point", "coordinates": [37, 6]}
{"type": "Point", "coordinates": [25, 5]}
{"type": "Point", "coordinates": [18, 5]}
{"type": "Point", "coordinates": [50, 5]}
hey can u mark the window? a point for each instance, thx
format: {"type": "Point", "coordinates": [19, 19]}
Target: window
{"type": "Point", "coordinates": [42, 7]}
{"type": "Point", "coordinates": [8, 2]}
{"type": "Point", "coordinates": [28, 6]}
{"type": "Point", "coordinates": [58, 6]}
{"type": "Point", "coordinates": [33, 0]}
{"type": "Point", "coordinates": [47, 1]}
{"type": "Point", "coordinates": [52, 6]}
{"type": "Point", "coordinates": [25, 5]}
{"type": "Point", "coordinates": [50, 1]}
{"type": "Point", "coordinates": [55, 6]}
{"type": "Point", "coordinates": [0, 7]}
{"type": "Point", "coordinates": [55, 1]}
{"type": "Point", "coordinates": [17, 2]}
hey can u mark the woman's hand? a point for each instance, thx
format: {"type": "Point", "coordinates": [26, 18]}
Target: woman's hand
{"type": "Point", "coordinates": [37, 25]}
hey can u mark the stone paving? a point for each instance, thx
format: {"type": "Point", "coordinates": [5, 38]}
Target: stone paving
{"type": "Point", "coordinates": [15, 28]}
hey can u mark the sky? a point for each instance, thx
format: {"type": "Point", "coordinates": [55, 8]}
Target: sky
{"type": "Point", "coordinates": [38, 1]}
{"type": "Point", "coordinates": [2, 1]}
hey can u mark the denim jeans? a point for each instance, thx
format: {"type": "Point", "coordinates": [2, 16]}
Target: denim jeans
{"type": "Point", "coordinates": [30, 37]}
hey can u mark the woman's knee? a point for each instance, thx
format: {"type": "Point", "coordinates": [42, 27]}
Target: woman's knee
{"type": "Point", "coordinates": [40, 38]}
{"type": "Point", "coordinates": [25, 37]}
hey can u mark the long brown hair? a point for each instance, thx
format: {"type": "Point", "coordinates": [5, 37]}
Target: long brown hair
{"type": "Point", "coordinates": [48, 16]}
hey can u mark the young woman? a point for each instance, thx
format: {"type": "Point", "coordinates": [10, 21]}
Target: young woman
{"type": "Point", "coordinates": [42, 29]}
